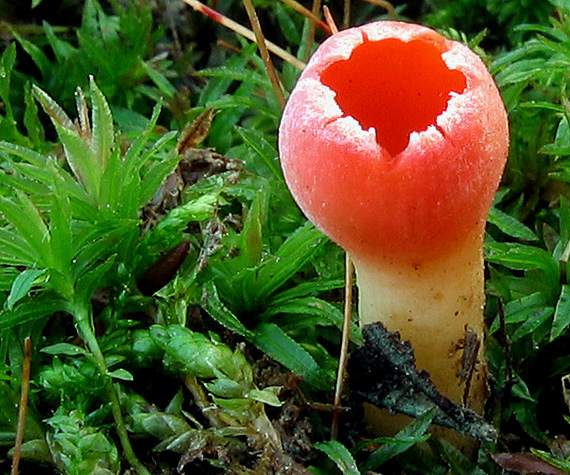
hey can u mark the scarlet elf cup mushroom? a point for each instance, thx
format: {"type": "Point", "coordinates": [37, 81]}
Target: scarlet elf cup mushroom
{"type": "Point", "coordinates": [393, 143]}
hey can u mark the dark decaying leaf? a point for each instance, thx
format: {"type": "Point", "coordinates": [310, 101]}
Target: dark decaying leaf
{"type": "Point", "coordinates": [199, 163]}
{"type": "Point", "coordinates": [383, 372]}
{"type": "Point", "coordinates": [195, 164]}
{"type": "Point", "coordinates": [164, 200]}
{"type": "Point", "coordinates": [163, 270]}
{"type": "Point", "coordinates": [196, 132]}
{"type": "Point", "coordinates": [525, 464]}
{"type": "Point", "coordinates": [208, 450]}
{"type": "Point", "coordinates": [292, 421]}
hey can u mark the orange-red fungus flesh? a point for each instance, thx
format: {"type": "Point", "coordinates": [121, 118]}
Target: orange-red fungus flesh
{"type": "Point", "coordinates": [391, 95]}
{"type": "Point", "coordinates": [393, 142]}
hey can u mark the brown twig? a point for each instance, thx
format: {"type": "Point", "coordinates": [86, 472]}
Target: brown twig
{"type": "Point", "coordinates": [263, 51]}
{"type": "Point", "coordinates": [23, 408]}
{"type": "Point", "coordinates": [310, 14]}
{"type": "Point", "coordinates": [225, 44]}
{"type": "Point", "coordinates": [387, 6]}
{"type": "Point", "coordinates": [241, 30]}
{"type": "Point", "coordinates": [327, 408]}
{"type": "Point", "coordinates": [330, 20]}
{"type": "Point", "coordinates": [312, 29]}
{"type": "Point", "coordinates": [343, 359]}
{"type": "Point", "coordinates": [346, 14]}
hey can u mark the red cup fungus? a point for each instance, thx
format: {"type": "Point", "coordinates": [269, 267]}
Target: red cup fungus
{"type": "Point", "coordinates": [393, 143]}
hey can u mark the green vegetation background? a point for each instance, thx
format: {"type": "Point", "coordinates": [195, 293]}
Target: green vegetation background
{"type": "Point", "coordinates": [184, 317]}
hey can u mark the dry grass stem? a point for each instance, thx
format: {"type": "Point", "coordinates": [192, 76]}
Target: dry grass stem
{"type": "Point", "coordinates": [330, 20]}
{"type": "Point", "coordinates": [225, 44]}
{"type": "Point", "coordinates": [343, 358]}
{"type": "Point", "coordinates": [23, 408]}
{"type": "Point", "coordinates": [387, 6]}
{"type": "Point", "coordinates": [310, 14]}
{"type": "Point", "coordinates": [246, 33]}
{"type": "Point", "coordinates": [263, 51]}
{"type": "Point", "coordinates": [346, 14]}
{"type": "Point", "coordinates": [312, 28]}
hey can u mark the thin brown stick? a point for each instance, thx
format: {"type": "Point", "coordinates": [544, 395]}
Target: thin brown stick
{"type": "Point", "coordinates": [387, 6]}
{"type": "Point", "coordinates": [225, 44]}
{"type": "Point", "coordinates": [23, 408]}
{"type": "Point", "coordinates": [241, 30]}
{"type": "Point", "coordinates": [310, 14]}
{"type": "Point", "coordinates": [330, 20]}
{"type": "Point", "coordinates": [346, 15]}
{"type": "Point", "coordinates": [312, 29]}
{"type": "Point", "coordinates": [263, 51]}
{"type": "Point", "coordinates": [345, 341]}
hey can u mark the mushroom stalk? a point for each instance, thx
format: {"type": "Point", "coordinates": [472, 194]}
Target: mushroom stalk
{"type": "Point", "coordinates": [438, 308]}
{"type": "Point", "coordinates": [393, 143]}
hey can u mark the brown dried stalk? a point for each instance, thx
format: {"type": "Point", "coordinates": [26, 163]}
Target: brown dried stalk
{"type": "Point", "coordinates": [311, 33]}
{"type": "Point", "coordinates": [310, 14]}
{"type": "Point", "coordinates": [387, 6]}
{"type": "Point", "coordinates": [346, 15]}
{"type": "Point", "coordinates": [23, 408]}
{"type": "Point", "coordinates": [261, 44]}
{"type": "Point", "coordinates": [330, 20]}
{"type": "Point", "coordinates": [343, 358]}
{"type": "Point", "coordinates": [241, 30]}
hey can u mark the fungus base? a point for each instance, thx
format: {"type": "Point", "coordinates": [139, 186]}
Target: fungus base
{"type": "Point", "coordinates": [438, 307]}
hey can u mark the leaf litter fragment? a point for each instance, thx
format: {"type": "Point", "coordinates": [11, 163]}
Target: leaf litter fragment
{"type": "Point", "coordinates": [163, 270]}
{"type": "Point", "coordinates": [240, 436]}
{"type": "Point", "coordinates": [194, 165]}
{"type": "Point", "coordinates": [383, 372]}
{"type": "Point", "coordinates": [195, 132]}
{"type": "Point", "coordinates": [525, 463]}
